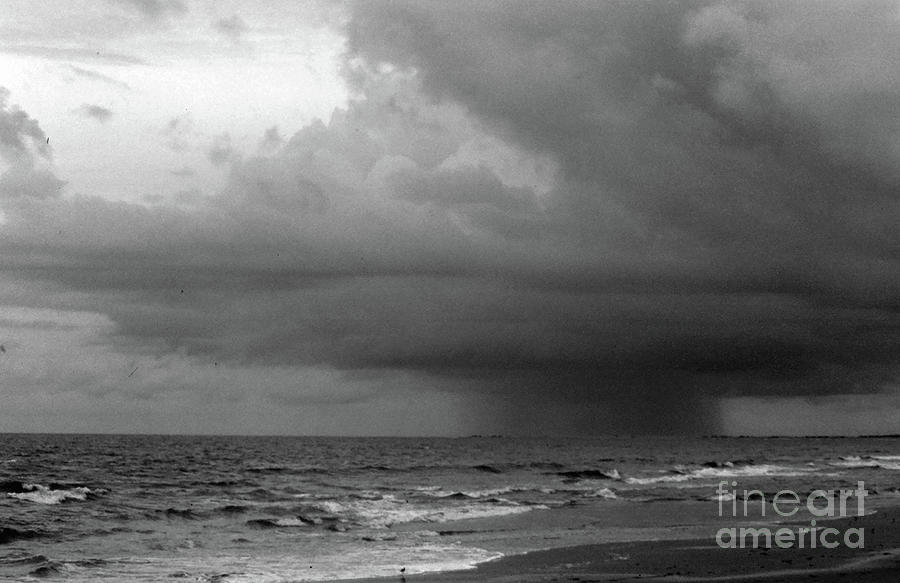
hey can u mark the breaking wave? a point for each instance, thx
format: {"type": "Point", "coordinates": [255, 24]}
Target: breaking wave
{"type": "Point", "coordinates": [391, 510]}
{"type": "Point", "coordinates": [9, 534]}
{"type": "Point", "coordinates": [684, 474]}
{"type": "Point", "coordinates": [575, 475]}
{"type": "Point", "coordinates": [878, 462]}
{"type": "Point", "coordinates": [52, 494]}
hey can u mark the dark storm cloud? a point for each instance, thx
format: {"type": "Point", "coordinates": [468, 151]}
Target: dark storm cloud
{"type": "Point", "coordinates": [731, 143]}
{"type": "Point", "coordinates": [96, 112]}
{"type": "Point", "coordinates": [721, 221]}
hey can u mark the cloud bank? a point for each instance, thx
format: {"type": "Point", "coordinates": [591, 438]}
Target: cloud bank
{"type": "Point", "coordinates": [582, 217]}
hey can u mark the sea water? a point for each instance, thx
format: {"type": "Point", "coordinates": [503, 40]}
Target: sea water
{"type": "Point", "coordinates": [272, 509]}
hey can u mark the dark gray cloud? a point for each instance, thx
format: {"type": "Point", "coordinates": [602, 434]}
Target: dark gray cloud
{"type": "Point", "coordinates": [720, 220]}
{"type": "Point", "coordinates": [179, 132]}
{"type": "Point", "coordinates": [221, 151]}
{"type": "Point", "coordinates": [96, 112]}
{"type": "Point", "coordinates": [155, 9]}
{"type": "Point", "coordinates": [271, 140]}
{"type": "Point", "coordinates": [20, 135]}
{"type": "Point", "coordinates": [24, 151]}
{"type": "Point", "coordinates": [704, 131]}
{"type": "Point", "coordinates": [233, 27]}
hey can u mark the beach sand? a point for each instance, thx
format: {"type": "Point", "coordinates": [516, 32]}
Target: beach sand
{"type": "Point", "coordinates": [699, 560]}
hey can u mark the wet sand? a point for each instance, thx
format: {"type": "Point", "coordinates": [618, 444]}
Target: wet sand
{"type": "Point", "coordinates": [700, 560]}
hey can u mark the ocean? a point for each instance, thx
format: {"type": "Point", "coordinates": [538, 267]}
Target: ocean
{"type": "Point", "coordinates": [277, 509]}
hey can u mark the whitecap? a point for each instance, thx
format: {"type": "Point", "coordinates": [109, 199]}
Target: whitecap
{"type": "Point", "coordinates": [40, 494]}
{"type": "Point", "coordinates": [607, 493]}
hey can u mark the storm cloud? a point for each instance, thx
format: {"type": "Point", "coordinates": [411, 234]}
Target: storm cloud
{"type": "Point", "coordinates": [586, 217]}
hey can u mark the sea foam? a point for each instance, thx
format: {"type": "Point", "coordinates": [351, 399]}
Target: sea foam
{"type": "Point", "coordinates": [40, 494]}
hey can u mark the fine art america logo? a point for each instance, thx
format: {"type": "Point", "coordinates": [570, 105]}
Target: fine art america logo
{"type": "Point", "coordinates": [787, 503]}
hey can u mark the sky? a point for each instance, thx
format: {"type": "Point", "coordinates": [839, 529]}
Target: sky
{"type": "Point", "coordinates": [435, 218]}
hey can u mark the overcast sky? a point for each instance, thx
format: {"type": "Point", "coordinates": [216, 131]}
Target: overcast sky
{"type": "Point", "coordinates": [449, 217]}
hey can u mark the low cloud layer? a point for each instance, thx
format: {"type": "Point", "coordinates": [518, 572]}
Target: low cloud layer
{"type": "Point", "coordinates": [582, 218]}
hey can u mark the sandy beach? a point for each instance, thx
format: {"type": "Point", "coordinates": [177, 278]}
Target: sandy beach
{"type": "Point", "coordinates": [699, 560]}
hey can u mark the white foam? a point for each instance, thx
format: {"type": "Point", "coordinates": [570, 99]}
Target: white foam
{"type": "Point", "coordinates": [885, 462]}
{"type": "Point", "coordinates": [43, 495]}
{"type": "Point", "coordinates": [760, 470]}
{"type": "Point", "coordinates": [603, 493]}
{"type": "Point", "coordinates": [390, 510]}
{"type": "Point", "coordinates": [727, 472]}
{"type": "Point", "coordinates": [438, 492]}
{"type": "Point", "coordinates": [658, 479]}
{"type": "Point", "coordinates": [490, 492]}
{"type": "Point", "coordinates": [378, 559]}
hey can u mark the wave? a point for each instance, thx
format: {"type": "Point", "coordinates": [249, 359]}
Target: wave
{"type": "Point", "coordinates": [266, 523]}
{"type": "Point", "coordinates": [877, 462]}
{"type": "Point", "coordinates": [683, 473]}
{"type": "Point", "coordinates": [391, 510]}
{"type": "Point", "coordinates": [606, 493]}
{"type": "Point", "coordinates": [723, 497]}
{"type": "Point", "coordinates": [12, 486]}
{"type": "Point", "coordinates": [51, 569]}
{"type": "Point", "coordinates": [437, 492]}
{"type": "Point", "coordinates": [261, 523]}
{"type": "Point", "coordinates": [491, 468]}
{"type": "Point", "coordinates": [52, 494]}
{"type": "Point", "coordinates": [223, 483]}
{"type": "Point", "coordinates": [185, 514]}
{"type": "Point", "coordinates": [23, 560]}
{"type": "Point", "coordinates": [576, 475]}
{"type": "Point", "coordinates": [231, 509]}
{"type": "Point", "coordinates": [727, 463]}
{"type": "Point", "coordinates": [9, 534]}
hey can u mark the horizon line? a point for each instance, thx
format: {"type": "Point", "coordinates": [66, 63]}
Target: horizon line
{"type": "Point", "coordinates": [469, 436]}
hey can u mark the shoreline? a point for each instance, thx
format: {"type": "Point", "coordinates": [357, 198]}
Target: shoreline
{"type": "Point", "coordinates": [696, 560]}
